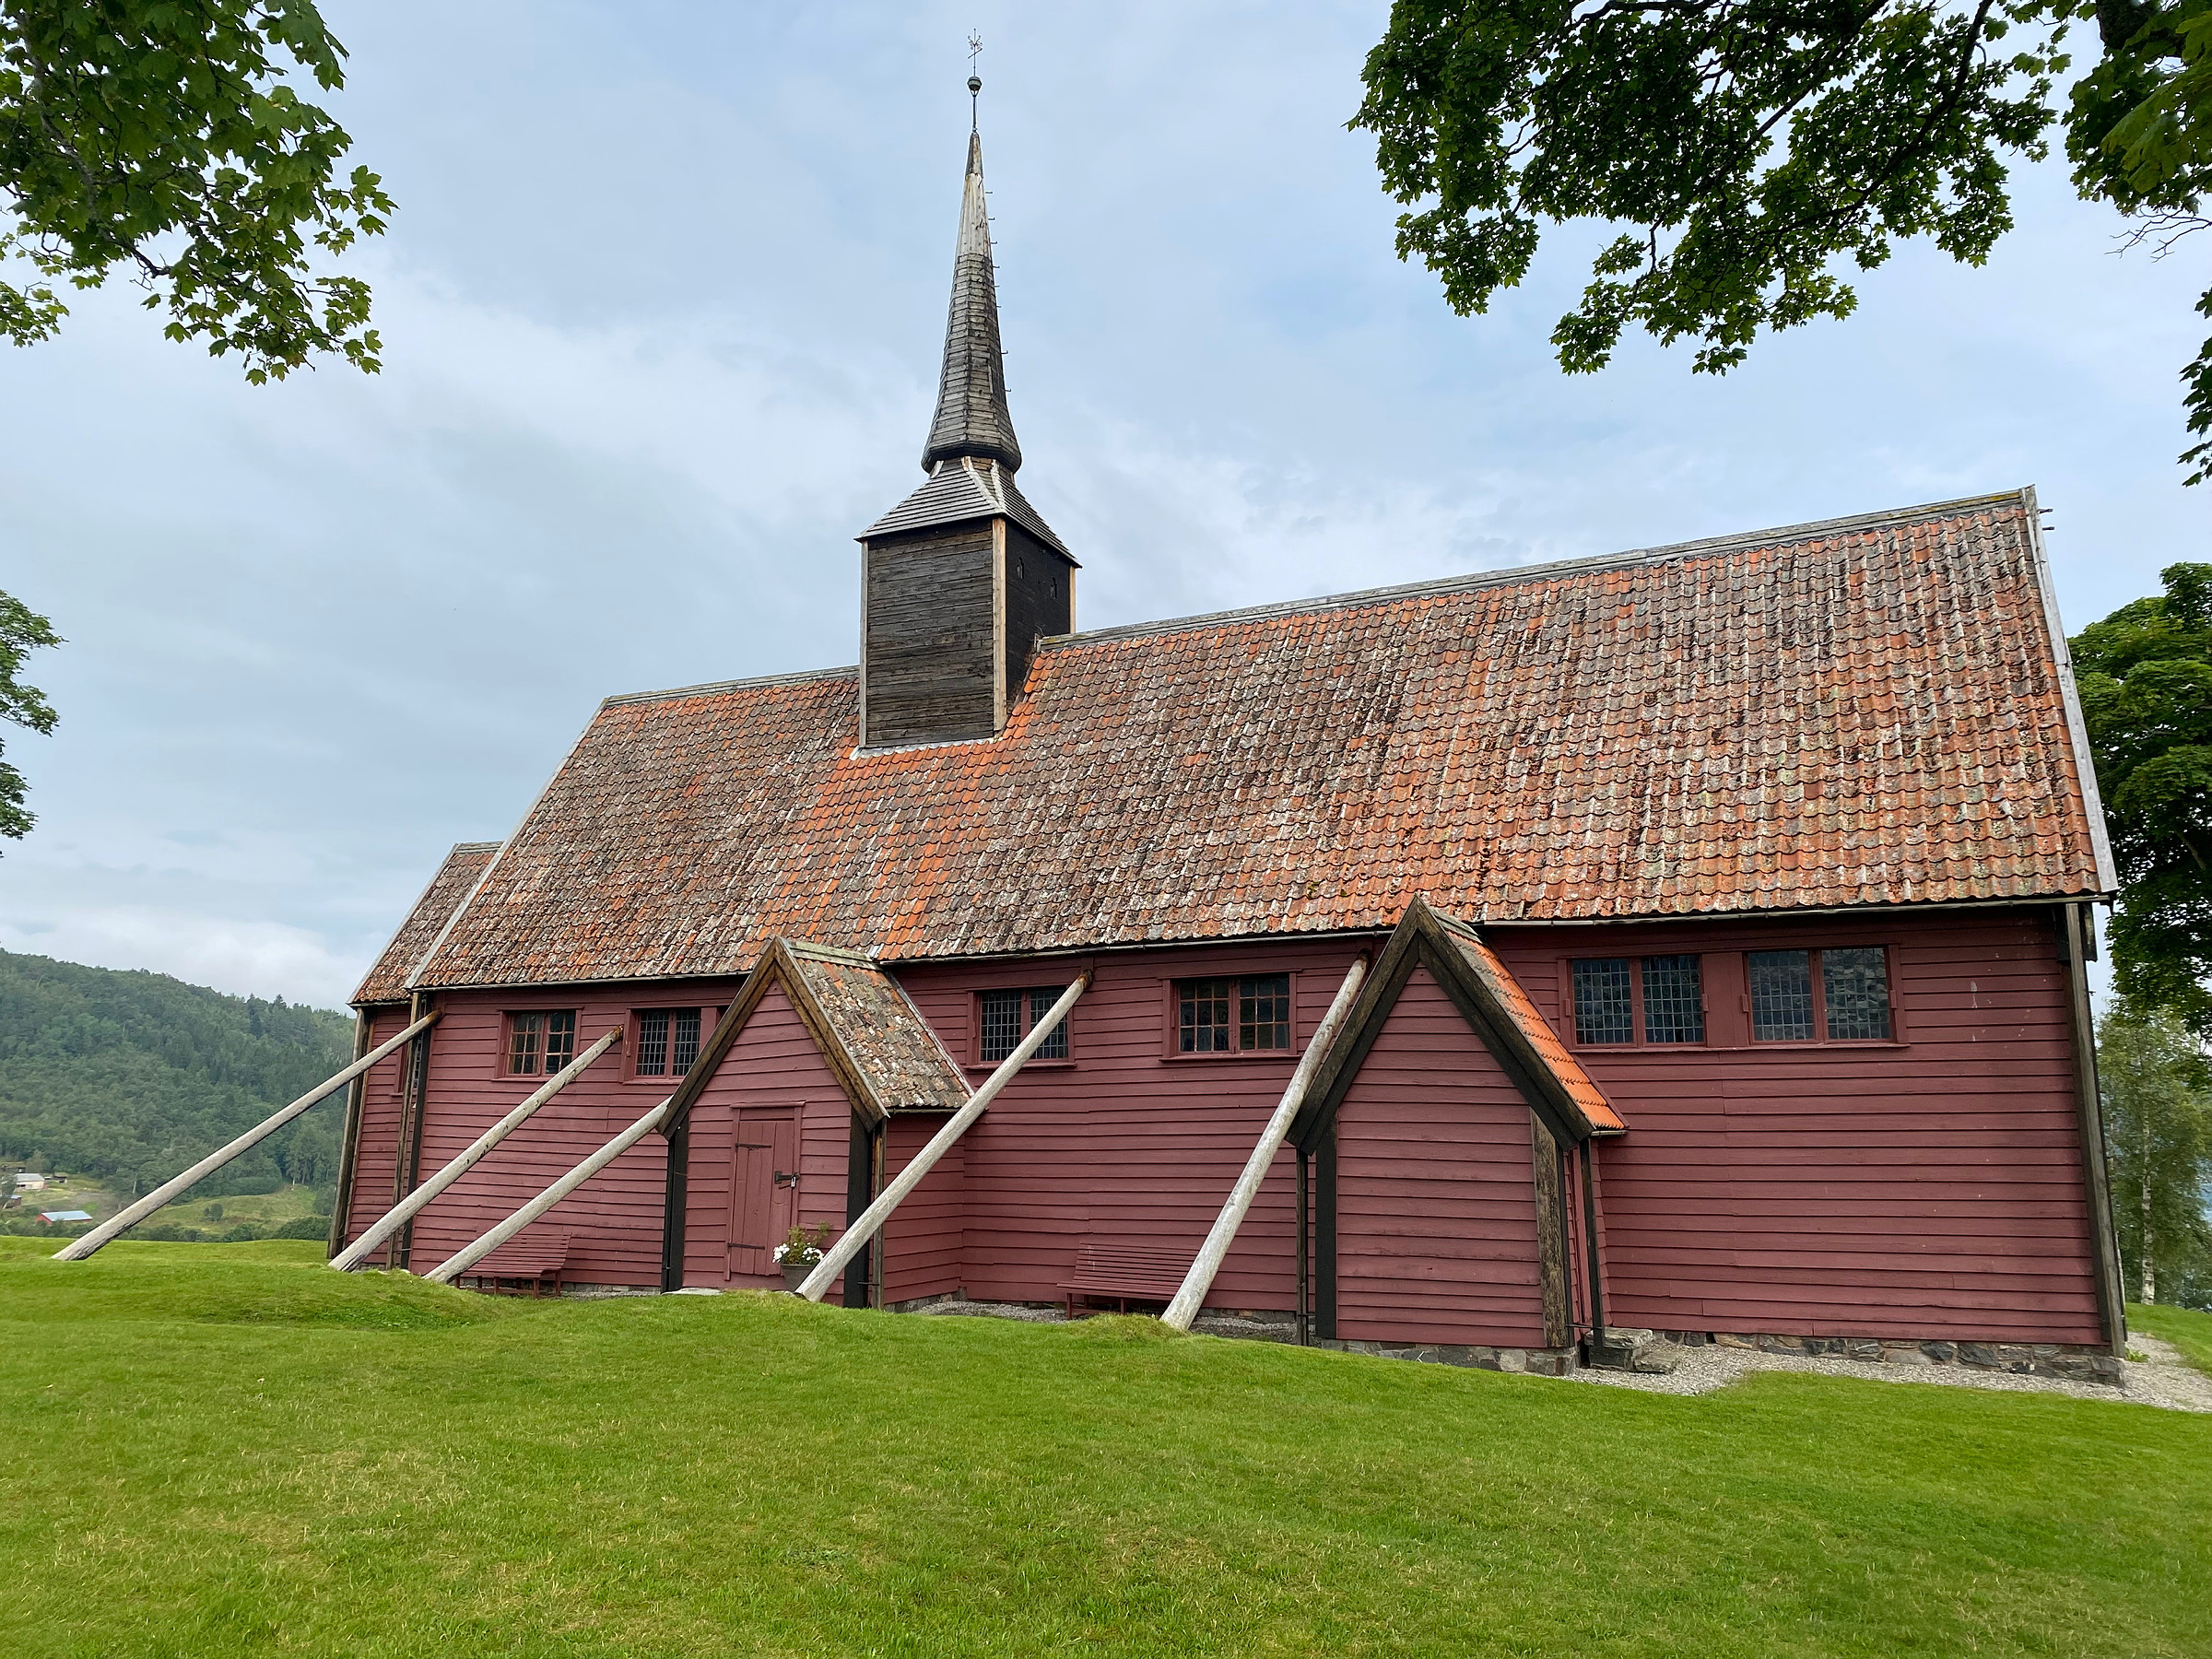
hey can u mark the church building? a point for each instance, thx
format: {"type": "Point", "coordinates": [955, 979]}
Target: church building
{"type": "Point", "coordinates": [1723, 909]}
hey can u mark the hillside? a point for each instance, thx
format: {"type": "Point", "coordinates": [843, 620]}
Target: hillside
{"type": "Point", "coordinates": [128, 1076]}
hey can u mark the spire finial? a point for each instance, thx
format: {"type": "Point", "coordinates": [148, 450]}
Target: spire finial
{"type": "Point", "coordinates": [975, 81]}
{"type": "Point", "coordinates": [971, 418]}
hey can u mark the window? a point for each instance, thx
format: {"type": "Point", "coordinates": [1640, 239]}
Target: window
{"type": "Point", "coordinates": [1251, 1014]}
{"type": "Point", "coordinates": [1842, 991]}
{"type": "Point", "coordinates": [540, 1044]}
{"type": "Point", "coordinates": [667, 1042]}
{"type": "Point", "coordinates": [1615, 996]}
{"type": "Point", "coordinates": [1009, 1015]}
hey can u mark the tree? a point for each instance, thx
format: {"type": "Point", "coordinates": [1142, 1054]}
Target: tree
{"type": "Point", "coordinates": [2145, 680]}
{"type": "Point", "coordinates": [2158, 1132]}
{"type": "Point", "coordinates": [22, 632]}
{"type": "Point", "coordinates": [165, 137]}
{"type": "Point", "coordinates": [1752, 148]}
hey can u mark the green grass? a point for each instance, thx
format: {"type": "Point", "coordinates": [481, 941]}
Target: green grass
{"type": "Point", "coordinates": [266, 1209]}
{"type": "Point", "coordinates": [220, 1450]}
{"type": "Point", "coordinates": [2191, 1333]}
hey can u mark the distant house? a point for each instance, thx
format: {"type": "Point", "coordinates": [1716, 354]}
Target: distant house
{"type": "Point", "coordinates": [26, 1182]}
{"type": "Point", "coordinates": [65, 1214]}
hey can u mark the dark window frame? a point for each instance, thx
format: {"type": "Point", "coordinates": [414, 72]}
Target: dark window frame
{"type": "Point", "coordinates": [510, 1024]}
{"type": "Point", "coordinates": [1639, 1040]}
{"type": "Point", "coordinates": [634, 1042]}
{"type": "Point", "coordinates": [1815, 968]}
{"type": "Point", "coordinates": [1031, 1010]}
{"type": "Point", "coordinates": [1172, 1048]}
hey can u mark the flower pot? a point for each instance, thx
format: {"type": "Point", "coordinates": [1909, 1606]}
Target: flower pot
{"type": "Point", "coordinates": [795, 1274]}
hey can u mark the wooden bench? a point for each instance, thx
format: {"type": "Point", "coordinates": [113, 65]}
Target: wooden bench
{"type": "Point", "coordinates": [1126, 1273]}
{"type": "Point", "coordinates": [529, 1262]}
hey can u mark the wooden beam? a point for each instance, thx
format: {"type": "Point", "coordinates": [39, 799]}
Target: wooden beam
{"type": "Point", "coordinates": [2074, 933]}
{"type": "Point", "coordinates": [404, 1212]}
{"type": "Point", "coordinates": [76, 1249]}
{"type": "Point", "coordinates": [349, 1136]}
{"type": "Point", "coordinates": [1200, 1279]}
{"type": "Point", "coordinates": [856, 1236]}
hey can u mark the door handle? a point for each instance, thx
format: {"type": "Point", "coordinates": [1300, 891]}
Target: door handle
{"type": "Point", "coordinates": [787, 1177]}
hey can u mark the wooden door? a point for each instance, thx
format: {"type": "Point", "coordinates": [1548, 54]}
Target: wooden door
{"type": "Point", "coordinates": [764, 1194]}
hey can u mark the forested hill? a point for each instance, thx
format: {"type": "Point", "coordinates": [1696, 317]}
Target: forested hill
{"type": "Point", "coordinates": [130, 1076]}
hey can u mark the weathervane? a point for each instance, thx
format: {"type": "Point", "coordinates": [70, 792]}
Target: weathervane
{"type": "Point", "coordinates": [975, 81]}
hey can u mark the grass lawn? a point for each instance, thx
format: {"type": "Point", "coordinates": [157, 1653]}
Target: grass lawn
{"type": "Point", "coordinates": [222, 1450]}
{"type": "Point", "coordinates": [2191, 1333]}
{"type": "Point", "coordinates": [268, 1209]}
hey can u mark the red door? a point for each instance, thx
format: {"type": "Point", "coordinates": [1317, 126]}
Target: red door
{"type": "Point", "coordinates": [764, 1195]}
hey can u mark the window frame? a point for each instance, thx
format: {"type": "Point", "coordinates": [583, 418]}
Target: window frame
{"type": "Point", "coordinates": [1820, 1039]}
{"type": "Point", "coordinates": [1171, 1020]}
{"type": "Point", "coordinates": [507, 1018]}
{"type": "Point", "coordinates": [633, 1027]}
{"type": "Point", "coordinates": [1639, 1040]}
{"type": "Point", "coordinates": [976, 1063]}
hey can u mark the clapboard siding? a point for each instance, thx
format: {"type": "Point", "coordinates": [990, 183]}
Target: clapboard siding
{"type": "Point", "coordinates": [614, 1222]}
{"type": "Point", "coordinates": [923, 1244]}
{"type": "Point", "coordinates": [377, 1144]}
{"type": "Point", "coordinates": [1123, 1143]}
{"type": "Point", "coordinates": [1436, 1212]}
{"type": "Point", "coordinates": [1927, 1188]}
{"type": "Point", "coordinates": [930, 647]}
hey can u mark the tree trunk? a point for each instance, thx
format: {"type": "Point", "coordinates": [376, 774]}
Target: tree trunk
{"type": "Point", "coordinates": [2150, 1275]}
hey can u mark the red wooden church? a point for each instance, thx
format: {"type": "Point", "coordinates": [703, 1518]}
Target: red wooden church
{"type": "Point", "coordinates": [1726, 906]}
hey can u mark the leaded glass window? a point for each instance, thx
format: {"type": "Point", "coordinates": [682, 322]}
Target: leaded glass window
{"type": "Point", "coordinates": [1264, 1012]}
{"type": "Point", "coordinates": [1674, 1001]}
{"type": "Point", "coordinates": [1009, 1015]}
{"type": "Point", "coordinates": [1855, 984]}
{"type": "Point", "coordinates": [667, 1042]}
{"type": "Point", "coordinates": [1605, 1010]}
{"type": "Point", "coordinates": [1782, 995]}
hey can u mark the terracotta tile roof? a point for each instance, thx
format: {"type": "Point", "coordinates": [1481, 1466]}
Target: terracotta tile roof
{"type": "Point", "coordinates": [1874, 710]}
{"type": "Point", "coordinates": [387, 981]}
{"type": "Point", "coordinates": [1535, 1031]}
{"type": "Point", "coordinates": [873, 1038]}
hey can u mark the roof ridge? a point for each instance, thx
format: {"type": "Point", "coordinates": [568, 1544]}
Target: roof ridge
{"type": "Point", "coordinates": [711, 687]}
{"type": "Point", "coordinates": [1782, 535]}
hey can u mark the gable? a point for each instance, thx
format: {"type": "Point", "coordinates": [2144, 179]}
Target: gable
{"type": "Point", "coordinates": [1871, 711]}
{"type": "Point", "coordinates": [449, 888]}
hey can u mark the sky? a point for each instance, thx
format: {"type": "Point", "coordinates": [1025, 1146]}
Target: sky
{"type": "Point", "coordinates": [663, 304]}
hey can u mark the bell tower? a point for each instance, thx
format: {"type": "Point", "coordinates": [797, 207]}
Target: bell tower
{"type": "Point", "coordinates": [959, 579]}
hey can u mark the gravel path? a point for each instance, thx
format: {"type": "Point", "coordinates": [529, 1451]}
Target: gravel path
{"type": "Point", "coordinates": [2162, 1378]}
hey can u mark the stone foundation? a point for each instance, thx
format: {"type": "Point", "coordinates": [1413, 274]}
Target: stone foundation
{"type": "Point", "coordinates": [2061, 1360]}
{"type": "Point", "coordinates": [1535, 1362]}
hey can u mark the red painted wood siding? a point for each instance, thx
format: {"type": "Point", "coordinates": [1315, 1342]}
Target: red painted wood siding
{"type": "Point", "coordinates": [924, 1242]}
{"type": "Point", "coordinates": [1930, 1188]}
{"type": "Point", "coordinates": [614, 1222]}
{"type": "Point", "coordinates": [379, 1133]}
{"type": "Point", "coordinates": [1436, 1210]}
{"type": "Point", "coordinates": [1123, 1142]}
{"type": "Point", "coordinates": [772, 1072]}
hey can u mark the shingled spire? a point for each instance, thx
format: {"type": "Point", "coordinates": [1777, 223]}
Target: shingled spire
{"type": "Point", "coordinates": [962, 579]}
{"type": "Point", "coordinates": [972, 419]}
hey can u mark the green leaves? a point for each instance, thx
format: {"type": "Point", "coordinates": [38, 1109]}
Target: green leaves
{"type": "Point", "coordinates": [22, 632]}
{"type": "Point", "coordinates": [160, 136]}
{"type": "Point", "coordinates": [2145, 680]}
{"type": "Point", "coordinates": [1751, 143]}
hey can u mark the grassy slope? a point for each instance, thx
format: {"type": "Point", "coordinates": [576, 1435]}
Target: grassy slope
{"type": "Point", "coordinates": [2191, 1333]}
{"type": "Point", "coordinates": [268, 1209]}
{"type": "Point", "coordinates": [230, 1450]}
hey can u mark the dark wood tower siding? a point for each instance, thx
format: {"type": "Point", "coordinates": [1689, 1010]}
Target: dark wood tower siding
{"type": "Point", "coordinates": [1436, 1233]}
{"type": "Point", "coordinates": [1041, 598]}
{"type": "Point", "coordinates": [1929, 1187]}
{"type": "Point", "coordinates": [932, 639]}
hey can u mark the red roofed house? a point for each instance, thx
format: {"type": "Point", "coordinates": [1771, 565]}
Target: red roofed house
{"type": "Point", "coordinates": [1727, 904]}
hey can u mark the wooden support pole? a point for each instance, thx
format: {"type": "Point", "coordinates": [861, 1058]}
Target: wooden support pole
{"type": "Point", "coordinates": [856, 1236]}
{"type": "Point", "coordinates": [349, 1137]}
{"type": "Point", "coordinates": [400, 1214]}
{"type": "Point", "coordinates": [78, 1249]}
{"type": "Point", "coordinates": [462, 1260]}
{"type": "Point", "coordinates": [1200, 1279]}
